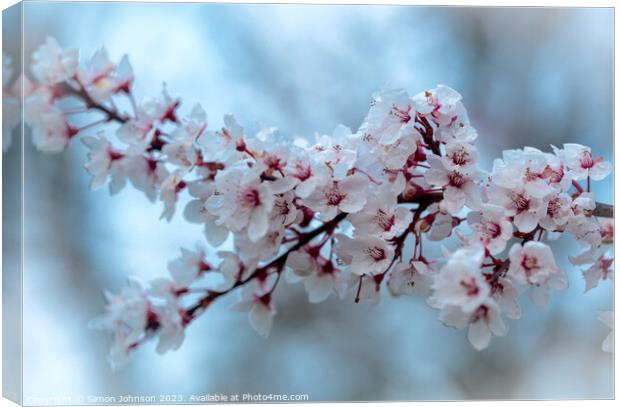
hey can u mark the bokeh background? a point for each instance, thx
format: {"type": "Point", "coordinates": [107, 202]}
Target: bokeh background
{"type": "Point", "coordinates": [529, 76]}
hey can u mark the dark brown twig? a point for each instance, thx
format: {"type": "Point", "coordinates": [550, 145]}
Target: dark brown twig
{"type": "Point", "coordinates": [603, 210]}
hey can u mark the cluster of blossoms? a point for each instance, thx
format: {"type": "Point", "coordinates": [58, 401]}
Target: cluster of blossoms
{"type": "Point", "coordinates": [345, 214]}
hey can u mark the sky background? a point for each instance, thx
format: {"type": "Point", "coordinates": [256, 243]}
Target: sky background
{"type": "Point", "coordinates": [530, 76]}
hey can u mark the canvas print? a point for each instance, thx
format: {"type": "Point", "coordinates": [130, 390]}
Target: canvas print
{"type": "Point", "coordinates": [290, 203]}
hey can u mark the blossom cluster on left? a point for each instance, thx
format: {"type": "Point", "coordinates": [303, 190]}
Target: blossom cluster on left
{"type": "Point", "coordinates": [348, 214]}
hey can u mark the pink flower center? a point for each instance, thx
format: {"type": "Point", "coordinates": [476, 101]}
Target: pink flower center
{"type": "Point", "coordinates": [114, 155]}
{"type": "Point", "coordinates": [529, 264]}
{"type": "Point", "coordinates": [432, 101]}
{"type": "Point", "coordinates": [403, 115]}
{"type": "Point", "coordinates": [302, 172]}
{"type": "Point", "coordinates": [460, 157]}
{"type": "Point", "coordinates": [531, 175]}
{"type": "Point", "coordinates": [520, 202]}
{"type": "Point", "coordinates": [384, 220]}
{"type": "Point", "coordinates": [376, 253]}
{"type": "Point", "coordinates": [275, 162]}
{"type": "Point", "coordinates": [328, 268]}
{"type": "Point", "coordinates": [586, 160]}
{"type": "Point", "coordinates": [264, 299]}
{"type": "Point", "coordinates": [554, 207]}
{"type": "Point", "coordinates": [152, 319]}
{"type": "Point", "coordinates": [456, 179]}
{"type": "Point", "coordinates": [152, 166]}
{"type": "Point", "coordinates": [607, 232]}
{"type": "Point", "coordinates": [604, 264]}
{"type": "Point", "coordinates": [334, 196]}
{"type": "Point", "coordinates": [471, 288]}
{"type": "Point", "coordinates": [251, 197]}
{"type": "Point", "coordinates": [481, 313]}
{"type": "Point", "coordinates": [493, 230]}
{"type": "Point", "coordinates": [553, 175]}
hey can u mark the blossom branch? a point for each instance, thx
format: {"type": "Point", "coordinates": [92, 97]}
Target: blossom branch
{"type": "Point", "coordinates": [83, 95]}
{"type": "Point", "coordinates": [277, 263]}
{"type": "Point", "coordinates": [603, 210]}
{"type": "Point", "coordinates": [271, 200]}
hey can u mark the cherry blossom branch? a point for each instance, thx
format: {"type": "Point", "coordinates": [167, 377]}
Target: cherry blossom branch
{"type": "Point", "coordinates": [603, 210]}
{"type": "Point", "coordinates": [278, 262]}
{"type": "Point", "coordinates": [272, 199]}
{"type": "Point", "coordinates": [423, 201]}
{"type": "Point", "coordinates": [83, 95]}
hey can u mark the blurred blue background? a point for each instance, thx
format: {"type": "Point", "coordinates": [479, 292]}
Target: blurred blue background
{"type": "Point", "coordinates": [529, 76]}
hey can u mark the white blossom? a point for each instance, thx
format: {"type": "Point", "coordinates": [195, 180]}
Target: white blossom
{"type": "Point", "coordinates": [442, 104]}
{"type": "Point", "coordinates": [333, 152]}
{"type": "Point", "coordinates": [483, 322]}
{"type": "Point", "coordinates": [580, 162]}
{"type": "Point", "coordinates": [558, 211]}
{"type": "Point", "coordinates": [460, 281]}
{"type": "Point", "coordinates": [599, 270]}
{"type": "Point", "coordinates": [51, 64]}
{"type": "Point", "coordinates": [533, 264]}
{"type": "Point", "coordinates": [169, 191]}
{"type": "Point", "coordinates": [389, 117]}
{"type": "Point", "coordinates": [348, 195]}
{"type": "Point", "coordinates": [256, 301]}
{"type": "Point", "coordinates": [233, 269]}
{"type": "Point", "coordinates": [367, 255]}
{"type": "Point", "coordinates": [310, 174]}
{"type": "Point", "coordinates": [197, 212]}
{"type": "Point", "coordinates": [321, 278]}
{"type": "Point", "coordinates": [491, 227]}
{"type": "Point", "coordinates": [102, 161]}
{"type": "Point", "coordinates": [223, 145]}
{"type": "Point", "coordinates": [127, 317]}
{"type": "Point", "coordinates": [102, 78]}
{"type": "Point", "coordinates": [189, 267]}
{"type": "Point", "coordinates": [381, 216]}
{"type": "Point", "coordinates": [526, 210]}
{"type": "Point", "coordinates": [441, 224]}
{"type": "Point", "coordinates": [243, 201]}
{"type": "Point", "coordinates": [460, 188]}
{"type": "Point", "coordinates": [413, 278]}
{"type": "Point", "coordinates": [181, 151]}
{"type": "Point", "coordinates": [171, 316]}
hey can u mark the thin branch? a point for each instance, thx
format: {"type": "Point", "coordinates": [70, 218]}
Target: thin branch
{"type": "Point", "coordinates": [603, 210]}
{"type": "Point", "coordinates": [112, 115]}
{"type": "Point", "coordinates": [277, 262]}
{"type": "Point", "coordinates": [423, 200]}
